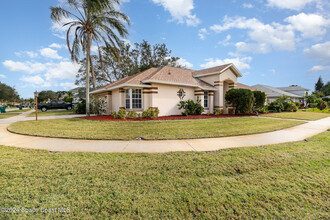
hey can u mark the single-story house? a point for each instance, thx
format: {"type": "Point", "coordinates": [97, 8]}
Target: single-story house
{"type": "Point", "coordinates": [165, 87]}
{"type": "Point", "coordinates": [296, 93]}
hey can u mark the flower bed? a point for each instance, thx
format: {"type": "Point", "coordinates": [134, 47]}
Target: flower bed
{"type": "Point", "coordinates": [171, 117]}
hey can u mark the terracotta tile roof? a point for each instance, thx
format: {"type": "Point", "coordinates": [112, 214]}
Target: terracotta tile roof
{"type": "Point", "coordinates": [211, 70]}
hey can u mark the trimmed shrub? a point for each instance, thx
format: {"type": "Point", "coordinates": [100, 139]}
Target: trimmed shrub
{"type": "Point", "coordinates": [217, 111]}
{"type": "Point", "coordinates": [259, 99]}
{"type": "Point", "coordinates": [290, 107]}
{"type": "Point", "coordinates": [151, 113]}
{"type": "Point", "coordinates": [121, 114]}
{"type": "Point", "coordinates": [241, 99]}
{"type": "Point", "coordinates": [190, 107]}
{"type": "Point", "coordinates": [275, 106]}
{"type": "Point", "coordinates": [131, 114]}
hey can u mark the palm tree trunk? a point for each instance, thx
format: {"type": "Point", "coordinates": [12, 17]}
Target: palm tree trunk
{"type": "Point", "coordinates": [93, 73]}
{"type": "Point", "coordinates": [89, 36]}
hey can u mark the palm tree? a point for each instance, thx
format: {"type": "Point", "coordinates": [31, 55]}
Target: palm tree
{"type": "Point", "coordinates": [97, 21]}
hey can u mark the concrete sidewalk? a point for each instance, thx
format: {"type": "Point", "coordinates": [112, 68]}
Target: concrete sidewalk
{"type": "Point", "coordinates": [296, 133]}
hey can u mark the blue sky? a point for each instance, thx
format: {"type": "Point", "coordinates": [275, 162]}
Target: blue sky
{"type": "Point", "coordinates": [272, 42]}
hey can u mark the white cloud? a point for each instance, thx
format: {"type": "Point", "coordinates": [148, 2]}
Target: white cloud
{"type": "Point", "coordinates": [225, 42]}
{"type": "Point", "coordinates": [57, 46]}
{"type": "Point", "coordinates": [201, 33]}
{"type": "Point", "coordinates": [180, 10]}
{"type": "Point", "coordinates": [318, 68]}
{"type": "Point", "coordinates": [240, 62]}
{"type": "Point", "coordinates": [321, 52]}
{"type": "Point", "coordinates": [35, 81]}
{"type": "Point", "coordinates": [95, 49]}
{"type": "Point", "coordinates": [30, 54]}
{"type": "Point", "coordinates": [50, 53]}
{"type": "Point", "coordinates": [185, 63]}
{"type": "Point", "coordinates": [27, 67]}
{"type": "Point", "coordinates": [68, 85]}
{"type": "Point", "coordinates": [310, 25]}
{"type": "Point", "coordinates": [265, 36]}
{"type": "Point", "coordinates": [61, 70]}
{"type": "Point", "coordinates": [3, 76]}
{"type": "Point", "coordinates": [290, 4]}
{"type": "Point", "coordinates": [247, 5]}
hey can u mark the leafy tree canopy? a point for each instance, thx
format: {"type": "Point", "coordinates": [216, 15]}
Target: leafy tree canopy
{"type": "Point", "coordinates": [8, 93]}
{"type": "Point", "coordinates": [259, 99]}
{"type": "Point", "coordinates": [326, 89]}
{"type": "Point", "coordinates": [133, 59]}
{"type": "Point", "coordinates": [47, 94]}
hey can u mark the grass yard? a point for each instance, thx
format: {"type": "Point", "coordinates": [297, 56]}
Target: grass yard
{"type": "Point", "coordinates": [149, 130]}
{"type": "Point", "coordinates": [52, 113]}
{"type": "Point", "coordinates": [7, 115]}
{"type": "Point", "coordinates": [285, 181]}
{"type": "Point", "coordinates": [315, 110]}
{"type": "Point", "coordinates": [311, 116]}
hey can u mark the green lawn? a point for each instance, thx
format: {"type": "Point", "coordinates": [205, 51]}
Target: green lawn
{"type": "Point", "coordinates": [7, 115]}
{"type": "Point", "coordinates": [52, 113]}
{"type": "Point", "coordinates": [285, 181]}
{"type": "Point", "coordinates": [150, 130]}
{"type": "Point", "coordinates": [299, 115]}
{"type": "Point", "coordinates": [315, 110]}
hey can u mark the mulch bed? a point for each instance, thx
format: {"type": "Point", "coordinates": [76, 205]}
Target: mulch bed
{"type": "Point", "coordinates": [161, 118]}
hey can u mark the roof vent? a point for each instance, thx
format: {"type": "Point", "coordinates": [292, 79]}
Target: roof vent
{"type": "Point", "coordinates": [169, 72]}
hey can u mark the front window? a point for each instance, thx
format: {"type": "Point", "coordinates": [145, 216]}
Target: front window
{"type": "Point", "coordinates": [133, 98]}
{"type": "Point", "coordinates": [206, 99]}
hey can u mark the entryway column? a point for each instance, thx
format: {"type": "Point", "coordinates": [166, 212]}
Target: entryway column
{"type": "Point", "coordinates": [211, 102]}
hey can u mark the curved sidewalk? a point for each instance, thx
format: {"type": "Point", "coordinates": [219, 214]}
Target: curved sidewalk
{"type": "Point", "coordinates": [296, 133]}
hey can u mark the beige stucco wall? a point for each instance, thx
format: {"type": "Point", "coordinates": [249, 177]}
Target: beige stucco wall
{"type": "Point", "coordinates": [167, 99]}
{"type": "Point", "coordinates": [115, 100]}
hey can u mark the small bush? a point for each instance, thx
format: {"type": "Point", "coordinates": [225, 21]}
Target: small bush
{"type": "Point", "coordinates": [98, 106]}
{"type": "Point", "coordinates": [131, 114]}
{"type": "Point", "coordinates": [121, 114]}
{"type": "Point", "coordinates": [190, 107]}
{"type": "Point", "coordinates": [139, 116]}
{"type": "Point", "coordinates": [151, 113]}
{"type": "Point", "coordinates": [217, 111]}
{"type": "Point", "coordinates": [275, 106]}
{"type": "Point", "coordinates": [263, 109]}
{"type": "Point", "coordinates": [290, 107]}
{"type": "Point", "coordinates": [322, 105]}
{"type": "Point", "coordinates": [81, 107]}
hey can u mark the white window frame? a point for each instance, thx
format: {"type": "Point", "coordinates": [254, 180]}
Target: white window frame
{"type": "Point", "coordinates": [206, 94]}
{"type": "Point", "coordinates": [131, 98]}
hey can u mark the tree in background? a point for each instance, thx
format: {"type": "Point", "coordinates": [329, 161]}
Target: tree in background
{"type": "Point", "coordinates": [8, 93]}
{"type": "Point", "coordinates": [241, 99]}
{"type": "Point", "coordinates": [319, 84]}
{"type": "Point", "coordinates": [60, 94]}
{"type": "Point", "coordinates": [326, 89]}
{"type": "Point", "coordinates": [97, 21]}
{"type": "Point", "coordinates": [133, 59]}
{"type": "Point", "coordinates": [47, 95]}
{"type": "Point", "coordinates": [68, 97]}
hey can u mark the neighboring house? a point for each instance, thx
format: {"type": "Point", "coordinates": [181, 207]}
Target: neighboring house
{"type": "Point", "coordinates": [165, 87]}
{"type": "Point", "coordinates": [296, 93]}
{"type": "Point", "coordinates": [78, 94]}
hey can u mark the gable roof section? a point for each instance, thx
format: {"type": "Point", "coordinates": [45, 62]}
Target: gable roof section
{"type": "Point", "coordinates": [274, 92]}
{"type": "Point", "coordinates": [293, 88]}
{"type": "Point", "coordinates": [176, 76]}
{"type": "Point", "coordinates": [217, 70]}
{"type": "Point", "coordinates": [243, 86]}
{"type": "Point", "coordinates": [169, 75]}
